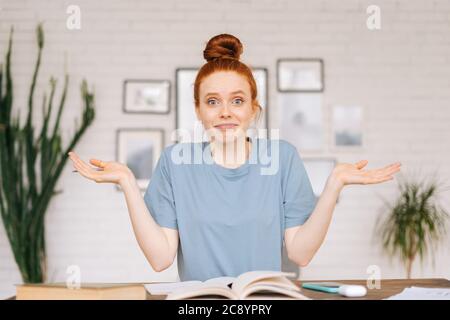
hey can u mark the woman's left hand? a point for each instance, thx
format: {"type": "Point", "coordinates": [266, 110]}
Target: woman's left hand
{"type": "Point", "coordinates": [346, 173]}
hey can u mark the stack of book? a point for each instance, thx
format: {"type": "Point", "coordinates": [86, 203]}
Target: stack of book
{"type": "Point", "coordinates": [88, 291]}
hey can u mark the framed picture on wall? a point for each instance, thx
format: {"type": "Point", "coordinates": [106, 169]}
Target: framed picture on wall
{"type": "Point", "coordinates": [261, 77]}
{"type": "Point", "coordinates": [186, 122]}
{"type": "Point", "coordinates": [186, 119]}
{"type": "Point", "coordinates": [318, 170]}
{"type": "Point", "coordinates": [140, 150]}
{"type": "Point", "coordinates": [302, 120]}
{"type": "Point", "coordinates": [146, 96]}
{"type": "Point", "coordinates": [300, 75]}
{"type": "Point", "coordinates": [347, 126]}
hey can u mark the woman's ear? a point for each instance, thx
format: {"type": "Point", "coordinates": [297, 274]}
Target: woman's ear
{"type": "Point", "coordinates": [256, 111]}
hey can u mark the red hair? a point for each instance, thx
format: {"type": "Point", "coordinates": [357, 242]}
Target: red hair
{"type": "Point", "coordinates": [222, 53]}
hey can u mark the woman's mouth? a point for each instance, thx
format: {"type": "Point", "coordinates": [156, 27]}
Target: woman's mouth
{"type": "Point", "coordinates": [226, 126]}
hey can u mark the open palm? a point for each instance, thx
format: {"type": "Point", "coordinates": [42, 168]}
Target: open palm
{"type": "Point", "coordinates": [354, 174]}
{"type": "Point", "coordinates": [103, 172]}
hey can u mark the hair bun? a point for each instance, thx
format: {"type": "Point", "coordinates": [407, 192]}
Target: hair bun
{"type": "Point", "coordinates": [223, 46]}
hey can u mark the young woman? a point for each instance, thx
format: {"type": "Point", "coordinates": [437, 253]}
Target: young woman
{"type": "Point", "coordinates": [223, 216]}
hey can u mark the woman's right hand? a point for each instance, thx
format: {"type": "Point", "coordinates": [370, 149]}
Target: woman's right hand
{"type": "Point", "coordinates": [112, 172]}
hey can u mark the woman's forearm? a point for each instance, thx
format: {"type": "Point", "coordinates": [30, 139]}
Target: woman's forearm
{"type": "Point", "coordinates": [150, 236]}
{"type": "Point", "coordinates": [310, 236]}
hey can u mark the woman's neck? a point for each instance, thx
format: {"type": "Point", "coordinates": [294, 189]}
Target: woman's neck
{"type": "Point", "coordinates": [231, 154]}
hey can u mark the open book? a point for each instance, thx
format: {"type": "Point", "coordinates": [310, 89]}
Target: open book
{"type": "Point", "coordinates": [249, 285]}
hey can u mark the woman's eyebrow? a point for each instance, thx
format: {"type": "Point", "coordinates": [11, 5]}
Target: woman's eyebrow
{"type": "Point", "coordinates": [232, 93]}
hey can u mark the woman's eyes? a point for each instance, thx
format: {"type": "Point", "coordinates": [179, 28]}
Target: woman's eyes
{"type": "Point", "coordinates": [214, 101]}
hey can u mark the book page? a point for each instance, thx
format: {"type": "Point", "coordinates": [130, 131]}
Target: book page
{"type": "Point", "coordinates": [245, 279]}
{"type": "Point", "coordinates": [280, 282]}
{"type": "Point", "coordinates": [420, 293]}
{"type": "Point", "coordinates": [202, 291]}
{"type": "Point", "coordinates": [273, 291]}
{"type": "Point", "coordinates": [225, 281]}
{"type": "Point", "coordinates": [167, 287]}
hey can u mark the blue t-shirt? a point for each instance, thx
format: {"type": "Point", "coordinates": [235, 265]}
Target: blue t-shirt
{"type": "Point", "coordinates": [229, 221]}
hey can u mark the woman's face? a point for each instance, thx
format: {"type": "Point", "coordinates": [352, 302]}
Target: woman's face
{"type": "Point", "coordinates": [225, 105]}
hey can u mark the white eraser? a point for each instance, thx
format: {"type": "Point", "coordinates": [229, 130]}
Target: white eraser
{"type": "Point", "coordinates": [352, 291]}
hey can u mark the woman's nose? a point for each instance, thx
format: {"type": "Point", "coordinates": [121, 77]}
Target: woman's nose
{"type": "Point", "coordinates": [225, 111]}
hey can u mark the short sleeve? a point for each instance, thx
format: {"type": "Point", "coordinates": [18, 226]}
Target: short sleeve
{"type": "Point", "coordinates": [159, 195]}
{"type": "Point", "coordinates": [298, 196]}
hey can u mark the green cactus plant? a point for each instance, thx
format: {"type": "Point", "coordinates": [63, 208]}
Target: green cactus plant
{"type": "Point", "coordinates": [25, 192]}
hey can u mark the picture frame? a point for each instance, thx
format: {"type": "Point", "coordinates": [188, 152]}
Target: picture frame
{"type": "Point", "coordinates": [302, 120]}
{"type": "Point", "coordinates": [300, 75]}
{"type": "Point", "coordinates": [144, 96]}
{"type": "Point", "coordinates": [140, 150]}
{"type": "Point", "coordinates": [261, 76]}
{"type": "Point", "coordinates": [318, 170]}
{"type": "Point", "coordinates": [347, 123]}
{"type": "Point", "coordinates": [185, 117]}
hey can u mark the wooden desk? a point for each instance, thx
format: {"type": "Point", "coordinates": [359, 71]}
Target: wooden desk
{"type": "Point", "coordinates": [388, 288]}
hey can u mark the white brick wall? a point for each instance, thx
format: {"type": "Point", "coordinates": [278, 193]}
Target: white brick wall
{"type": "Point", "coordinates": [399, 74]}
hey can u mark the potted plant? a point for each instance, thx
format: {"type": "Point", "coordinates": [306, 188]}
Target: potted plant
{"type": "Point", "coordinates": [415, 222]}
{"type": "Point", "coordinates": [30, 166]}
